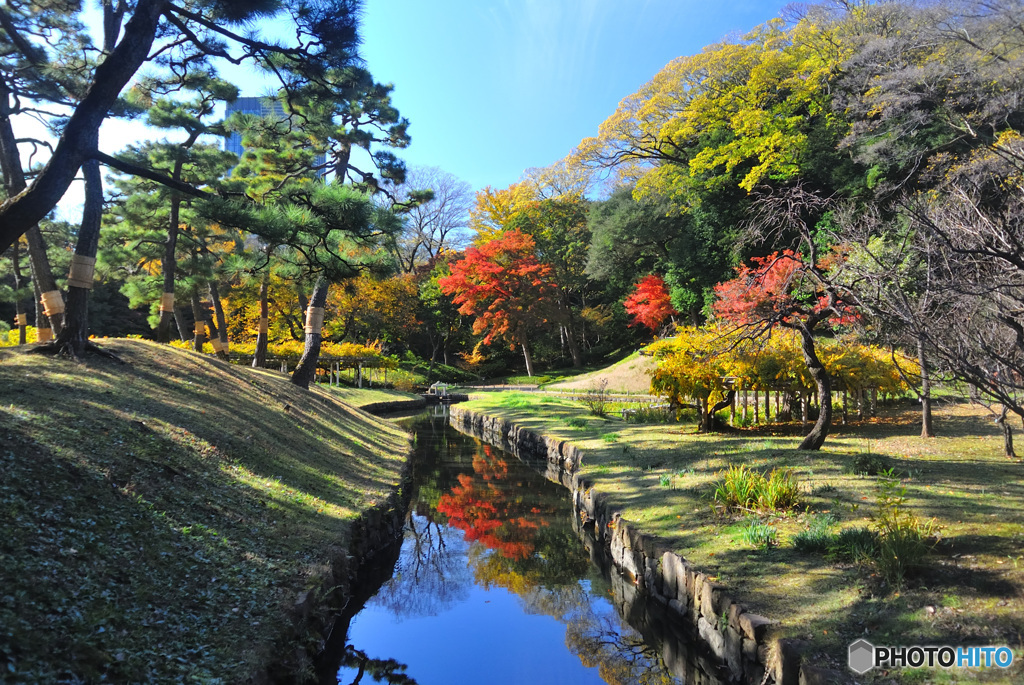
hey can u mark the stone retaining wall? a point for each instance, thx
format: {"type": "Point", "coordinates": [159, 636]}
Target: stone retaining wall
{"type": "Point", "coordinates": [313, 634]}
{"type": "Point", "coordinates": [740, 640]}
{"type": "Point", "coordinates": [393, 406]}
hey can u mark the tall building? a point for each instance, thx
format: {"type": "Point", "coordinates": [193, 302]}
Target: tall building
{"type": "Point", "coordinates": [261, 107]}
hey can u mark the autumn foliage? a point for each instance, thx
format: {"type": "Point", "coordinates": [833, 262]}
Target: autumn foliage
{"type": "Point", "coordinates": [773, 291]}
{"type": "Point", "coordinates": [489, 511]}
{"type": "Point", "coordinates": [650, 304]}
{"type": "Point", "coordinates": [502, 284]}
{"type": "Point", "coordinates": [760, 293]}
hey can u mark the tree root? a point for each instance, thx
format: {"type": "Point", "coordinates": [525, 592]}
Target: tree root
{"type": "Point", "coordinates": [67, 349]}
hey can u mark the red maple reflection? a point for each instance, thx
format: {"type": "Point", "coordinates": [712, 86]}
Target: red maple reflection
{"type": "Point", "coordinates": [491, 510]}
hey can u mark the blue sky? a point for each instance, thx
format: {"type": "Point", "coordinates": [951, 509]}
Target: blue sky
{"type": "Point", "coordinates": [493, 87]}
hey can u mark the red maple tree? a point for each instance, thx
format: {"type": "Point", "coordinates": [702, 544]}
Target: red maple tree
{"type": "Point", "coordinates": [762, 293]}
{"type": "Point", "coordinates": [776, 291]}
{"type": "Point", "coordinates": [505, 286]}
{"type": "Point", "coordinates": [650, 303]}
{"type": "Point", "coordinates": [785, 289]}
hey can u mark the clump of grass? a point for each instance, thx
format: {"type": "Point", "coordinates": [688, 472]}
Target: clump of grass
{"type": "Point", "coordinates": [576, 422]}
{"type": "Point", "coordinates": [760, 535]}
{"type": "Point", "coordinates": [738, 488]}
{"type": "Point", "coordinates": [665, 480]}
{"type": "Point", "coordinates": [747, 489]}
{"type": "Point", "coordinates": [902, 537]}
{"type": "Point", "coordinates": [867, 464]}
{"type": "Point", "coordinates": [854, 545]}
{"type": "Point", "coordinates": [779, 491]}
{"type": "Point", "coordinates": [818, 536]}
{"type": "Point", "coordinates": [610, 437]}
{"type": "Point", "coordinates": [513, 401]}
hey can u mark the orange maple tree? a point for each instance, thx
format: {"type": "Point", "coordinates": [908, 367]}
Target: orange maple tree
{"type": "Point", "coordinates": [505, 286]}
{"type": "Point", "coordinates": [650, 303]}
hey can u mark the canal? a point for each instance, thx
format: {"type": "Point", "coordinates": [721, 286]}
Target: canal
{"type": "Point", "coordinates": [493, 585]}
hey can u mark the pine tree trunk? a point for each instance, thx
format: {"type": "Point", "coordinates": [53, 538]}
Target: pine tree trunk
{"type": "Point", "coordinates": [42, 275]}
{"type": "Point", "coordinates": [306, 370]}
{"type": "Point", "coordinates": [222, 326]}
{"type": "Point", "coordinates": [927, 430]}
{"type": "Point", "coordinates": [169, 266]}
{"type": "Point", "coordinates": [14, 182]}
{"type": "Point", "coordinates": [74, 337]}
{"type": "Point", "coordinates": [163, 329]}
{"type": "Point", "coordinates": [19, 304]}
{"type": "Point", "coordinates": [816, 438]}
{"type": "Point", "coordinates": [199, 332]}
{"type": "Point", "coordinates": [41, 322]}
{"type": "Point", "coordinates": [259, 357]}
{"type": "Point", "coordinates": [179, 323]}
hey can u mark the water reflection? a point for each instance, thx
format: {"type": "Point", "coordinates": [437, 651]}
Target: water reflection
{"type": "Point", "coordinates": [492, 584]}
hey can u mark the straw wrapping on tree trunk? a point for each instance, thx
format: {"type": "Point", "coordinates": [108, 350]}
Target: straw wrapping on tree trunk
{"type": "Point", "coordinates": [167, 302]}
{"type": "Point", "coordinates": [52, 302]}
{"type": "Point", "coordinates": [314, 320]}
{"type": "Point", "coordinates": [83, 269]}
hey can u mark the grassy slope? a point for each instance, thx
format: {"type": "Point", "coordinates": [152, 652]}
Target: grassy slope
{"type": "Point", "coordinates": [631, 374]}
{"type": "Point", "coordinates": [661, 477]}
{"type": "Point", "coordinates": [160, 518]}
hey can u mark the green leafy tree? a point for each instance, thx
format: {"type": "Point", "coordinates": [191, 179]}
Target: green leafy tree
{"type": "Point", "coordinates": [324, 39]}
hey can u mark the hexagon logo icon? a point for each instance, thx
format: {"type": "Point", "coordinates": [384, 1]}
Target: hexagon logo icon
{"type": "Point", "coordinates": [862, 657]}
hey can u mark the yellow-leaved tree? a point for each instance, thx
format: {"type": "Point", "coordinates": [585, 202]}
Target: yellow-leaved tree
{"type": "Point", "coordinates": [703, 367]}
{"type": "Point", "coordinates": [736, 112]}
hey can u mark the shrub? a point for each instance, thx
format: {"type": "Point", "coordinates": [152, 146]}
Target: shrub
{"type": "Point", "coordinates": [867, 464]}
{"type": "Point", "coordinates": [596, 399]}
{"type": "Point", "coordinates": [403, 384]}
{"type": "Point", "coordinates": [745, 488]}
{"type": "Point", "coordinates": [646, 414]}
{"type": "Point", "coordinates": [760, 535]}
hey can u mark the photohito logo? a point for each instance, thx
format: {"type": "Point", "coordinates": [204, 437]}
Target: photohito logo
{"type": "Point", "coordinates": [864, 656]}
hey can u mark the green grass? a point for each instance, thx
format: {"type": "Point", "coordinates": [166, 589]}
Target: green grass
{"type": "Point", "coordinates": [960, 479]}
{"type": "Point", "coordinates": [361, 397]}
{"type": "Point", "coordinates": [161, 517]}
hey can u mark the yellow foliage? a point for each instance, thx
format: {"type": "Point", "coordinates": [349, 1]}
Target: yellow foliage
{"type": "Point", "coordinates": [697, 364]}
{"type": "Point", "coordinates": [495, 208]}
{"type": "Point", "coordinates": [292, 351]}
{"type": "Point", "coordinates": [735, 103]}
{"type": "Point", "coordinates": [11, 339]}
